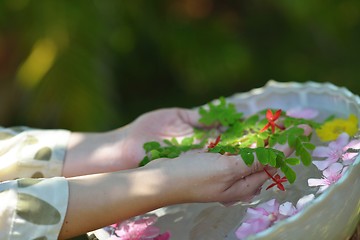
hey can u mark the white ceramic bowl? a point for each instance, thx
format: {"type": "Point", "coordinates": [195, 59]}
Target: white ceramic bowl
{"type": "Point", "coordinates": [333, 215]}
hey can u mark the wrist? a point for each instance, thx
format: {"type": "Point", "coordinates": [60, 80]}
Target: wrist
{"type": "Point", "coordinates": [171, 185]}
{"type": "Point", "coordinates": [150, 185]}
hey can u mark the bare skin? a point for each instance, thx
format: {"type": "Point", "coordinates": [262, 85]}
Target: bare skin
{"type": "Point", "coordinates": [123, 148]}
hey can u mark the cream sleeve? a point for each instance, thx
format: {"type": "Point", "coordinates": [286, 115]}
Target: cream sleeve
{"type": "Point", "coordinates": [35, 153]}
{"type": "Point", "coordinates": [33, 199]}
{"type": "Point", "coordinates": [32, 208]}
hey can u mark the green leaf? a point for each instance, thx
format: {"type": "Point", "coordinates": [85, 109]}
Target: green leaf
{"type": "Point", "coordinates": [199, 133]}
{"type": "Point", "coordinates": [262, 155]}
{"type": "Point", "coordinates": [144, 161]}
{"type": "Point", "coordinates": [263, 135]}
{"type": "Point", "coordinates": [251, 121]}
{"type": "Point", "coordinates": [174, 141]}
{"type": "Point", "coordinates": [287, 122]}
{"type": "Point", "coordinates": [289, 173]}
{"type": "Point", "coordinates": [296, 131]}
{"type": "Point", "coordinates": [187, 141]}
{"type": "Point", "coordinates": [173, 154]}
{"type": "Point", "coordinates": [230, 149]}
{"type": "Point", "coordinates": [260, 142]}
{"type": "Point", "coordinates": [184, 148]}
{"type": "Point", "coordinates": [309, 146]}
{"type": "Point", "coordinates": [167, 142]}
{"type": "Point", "coordinates": [292, 140]}
{"type": "Point", "coordinates": [282, 139]}
{"type": "Point", "coordinates": [247, 155]}
{"type": "Point", "coordinates": [148, 146]}
{"type": "Point", "coordinates": [305, 157]}
{"type": "Point", "coordinates": [292, 161]}
{"type": "Point", "coordinates": [272, 141]}
{"type": "Point", "coordinates": [223, 113]}
{"type": "Point", "coordinates": [154, 154]}
{"type": "Point", "coordinates": [233, 132]}
{"type": "Point", "coordinates": [272, 158]}
{"type": "Point", "coordinates": [262, 123]}
{"type": "Point", "coordinates": [278, 161]}
{"type": "Point", "coordinates": [303, 138]}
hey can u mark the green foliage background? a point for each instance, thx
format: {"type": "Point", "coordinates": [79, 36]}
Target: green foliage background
{"type": "Point", "coordinates": [96, 65]}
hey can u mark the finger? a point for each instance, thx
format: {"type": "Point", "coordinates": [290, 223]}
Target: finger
{"type": "Point", "coordinates": [246, 188]}
{"type": "Point", "coordinates": [246, 199]}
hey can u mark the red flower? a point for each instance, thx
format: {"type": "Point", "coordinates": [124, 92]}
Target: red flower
{"type": "Point", "coordinates": [271, 120]}
{"type": "Point", "coordinates": [277, 181]}
{"type": "Point", "coordinates": [213, 144]}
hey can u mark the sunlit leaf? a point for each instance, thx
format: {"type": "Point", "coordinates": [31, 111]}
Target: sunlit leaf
{"type": "Point", "coordinates": [148, 146]}
{"type": "Point", "coordinates": [247, 155]}
{"type": "Point", "coordinates": [292, 161]}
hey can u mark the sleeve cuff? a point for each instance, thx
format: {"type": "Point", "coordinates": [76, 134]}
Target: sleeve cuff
{"type": "Point", "coordinates": [40, 208]}
{"type": "Point", "coordinates": [33, 153]}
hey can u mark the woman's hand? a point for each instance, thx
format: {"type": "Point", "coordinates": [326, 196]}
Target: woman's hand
{"type": "Point", "coordinates": [198, 176]}
{"type": "Point", "coordinates": [156, 126]}
{"type": "Point", "coordinates": [210, 177]}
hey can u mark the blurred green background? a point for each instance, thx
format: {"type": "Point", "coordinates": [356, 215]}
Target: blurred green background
{"type": "Point", "coordinates": [96, 65]}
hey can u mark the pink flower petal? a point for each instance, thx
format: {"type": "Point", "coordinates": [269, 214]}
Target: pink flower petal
{"type": "Point", "coordinates": [354, 144]}
{"type": "Point", "coordinates": [321, 151]}
{"type": "Point", "coordinates": [257, 212]}
{"type": "Point", "coordinates": [304, 201]}
{"type": "Point", "coordinates": [340, 142]}
{"type": "Point", "coordinates": [248, 228]}
{"type": "Point", "coordinates": [331, 175]}
{"type": "Point", "coordinates": [244, 231]}
{"type": "Point", "coordinates": [349, 157]}
{"type": "Point", "coordinates": [259, 218]}
{"type": "Point", "coordinates": [151, 232]}
{"type": "Point", "coordinates": [139, 228]}
{"type": "Point", "coordinates": [314, 182]}
{"type": "Point", "coordinates": [287, 209]}
{"type": "Point", "coordinates": [270, 206]}
{"type": "Point", "coordinates": [321, 165]}
{"type": "Point", "coordinates": [334, 170]}
{"type": "Point", "coordinates": [333, 152]}
{"type": "Point", "coordinates": [306, 113]}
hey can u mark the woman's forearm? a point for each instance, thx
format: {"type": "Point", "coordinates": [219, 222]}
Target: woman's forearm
{"type": "Point", "coordinates": [89, 153]}
{"type": "Point", "coordinates": [102, 199]}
